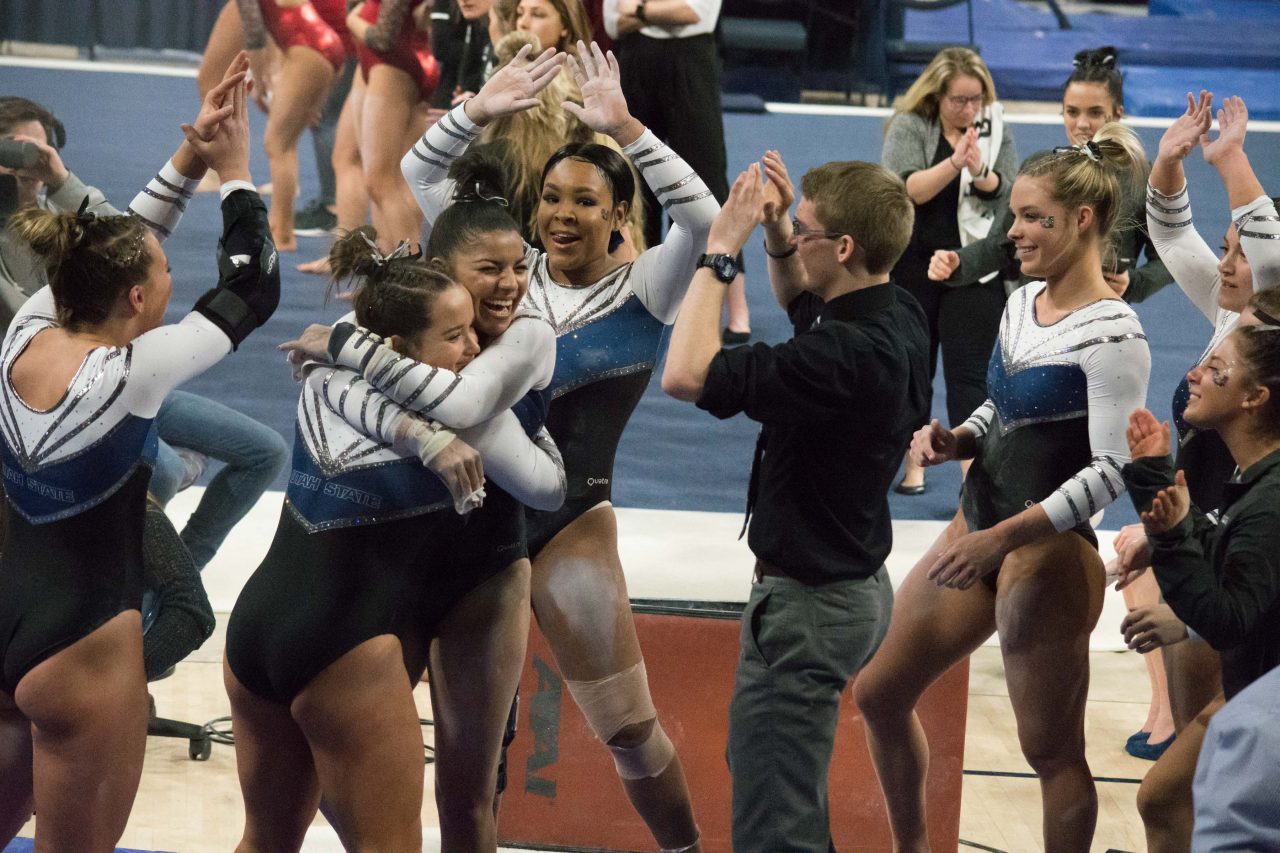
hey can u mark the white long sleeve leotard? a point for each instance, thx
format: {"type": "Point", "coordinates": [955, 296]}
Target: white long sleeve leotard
{"type": "Point", "coordinates": [608, 332]}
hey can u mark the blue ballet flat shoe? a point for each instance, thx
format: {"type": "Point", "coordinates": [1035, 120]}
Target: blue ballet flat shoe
{"type": "Point", "coordinates": [1149, 751]}
{"type": "Point", "coordinates": [1139, 737]}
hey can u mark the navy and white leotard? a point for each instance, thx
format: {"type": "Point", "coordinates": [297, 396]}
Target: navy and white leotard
{"type": "Point", "coordinates": [607, 333]}
{"type": "Point", "coordinates": [1053, 430]}
{"type": "Point", "coordinates": [371, 536]}
{"type": "Point", "coordinates": [76, 474]}
{"type": "Point", "coordinates": [1194, 265]}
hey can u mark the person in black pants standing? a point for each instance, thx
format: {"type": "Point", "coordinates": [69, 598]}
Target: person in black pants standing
{"type": "Point", "coordinates": [837, 403]}
{"type": "Point", "coordinates": [671, 78]}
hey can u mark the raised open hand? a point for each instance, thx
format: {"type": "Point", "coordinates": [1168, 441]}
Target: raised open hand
{"type": "Point", "coordinates": [1233, 121]}
{"type": "Point", "coordinates": [1184, 134]}
{"type": "Point", "coordinates": [604, 107]}
{"type": "Point", "coordinates": [1168, 508]}
{"type": "Point", "coordinates": [515, 86]}
{"type": "Point", "coordinates": [1146, 435]}
{"type": "Point", "coordinates": [779, 192]}
{"type": "Point", "coordinates": [743, 210]}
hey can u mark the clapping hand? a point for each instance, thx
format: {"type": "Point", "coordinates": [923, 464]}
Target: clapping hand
{"type": "Point", "coordinates": [1186, 130]}
{"type": "Point", "coordinates": [1168, 508]}
{"type": "Point", "coordinates": [967, 155]}
{"type": "Point", "coordinates": [1147, 436]}
{"type": "Point", "coordinates": [604, 107]}
{"type": "Point", "coordinates": [515, 86]}
{"type": "Point", "coordinates": [973, 154]}
{"type": "Point", "coordinates": [743, 210]}
{"type": "Point", "coordinates": [1233, 121]}
{"type": "Point", "coordinates": [779, 192]}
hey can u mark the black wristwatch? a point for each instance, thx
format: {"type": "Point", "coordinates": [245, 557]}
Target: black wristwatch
{"type": "Point", "coordinates": [640, 13]}
{"type": "Point", "coordinates": [724, 267]}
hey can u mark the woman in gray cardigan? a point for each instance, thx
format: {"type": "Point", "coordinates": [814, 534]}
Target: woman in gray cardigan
{"type": "Point", "coordinates": [948, 141]}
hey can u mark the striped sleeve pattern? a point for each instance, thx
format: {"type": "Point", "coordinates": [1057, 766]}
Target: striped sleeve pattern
{"type": "Point", "coordinates": [1259, 230]}
{"type": "Point", "coordinates": [163, 200]}
{"type": "Point", "coordinates": [1189, 259]}
{"type": "Point", "coordinates": [979, 423]}
{"type": "Point", "coordinates": [426, 166]}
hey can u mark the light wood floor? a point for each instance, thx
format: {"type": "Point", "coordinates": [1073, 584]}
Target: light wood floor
{"type": "Point", "coordinates": [194, 807]}
{"type": "Point", "coordinates": [185, 806]}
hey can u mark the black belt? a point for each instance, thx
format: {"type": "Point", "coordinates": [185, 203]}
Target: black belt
{"type": "Point", "coordinates": [765, 570]}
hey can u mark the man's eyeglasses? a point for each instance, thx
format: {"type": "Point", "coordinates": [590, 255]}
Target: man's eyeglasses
{"type": "Point", "coordinates": [799, 232]}
{"type": "Point", "coordinates": [962, 101]}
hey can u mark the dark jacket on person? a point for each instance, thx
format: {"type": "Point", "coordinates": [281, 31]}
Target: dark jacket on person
{"type": "Point", "coordinates": [1220, 571]}
{"type": "Point", "coordinates": [839, 402]}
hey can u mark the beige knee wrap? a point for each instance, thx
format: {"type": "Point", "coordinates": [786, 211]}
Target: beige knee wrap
{"type": "Point", "coordinates": [648, 759]}
{"type": "Point", "coordinates": [620, 700]}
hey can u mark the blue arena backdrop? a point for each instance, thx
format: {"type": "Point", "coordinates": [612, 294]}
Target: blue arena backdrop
{"type": "Point", "coordinates": [121, 126]}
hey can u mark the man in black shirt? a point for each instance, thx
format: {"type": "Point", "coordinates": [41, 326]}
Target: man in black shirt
{"type": "Point", "coordinates": [838, 404]}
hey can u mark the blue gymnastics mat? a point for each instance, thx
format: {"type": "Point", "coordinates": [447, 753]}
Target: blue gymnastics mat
{"type": "Point", "coordinates": [25, 845]}
{"type": "Point", "coordinates": [1224, 10]}
{"type": "Point", "coordinates": [120, 128]}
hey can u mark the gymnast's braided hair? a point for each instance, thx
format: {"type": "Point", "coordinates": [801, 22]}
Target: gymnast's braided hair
{"type": "Point", "coordinates": [394, 293]}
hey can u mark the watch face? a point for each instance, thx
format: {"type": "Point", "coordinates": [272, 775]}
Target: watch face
{"type": "Point", "coordinates": [725, 267]}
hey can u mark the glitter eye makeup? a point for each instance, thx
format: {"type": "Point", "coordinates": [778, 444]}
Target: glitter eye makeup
{"type": "Point", "coordinates": [1046, 222]}
{"type": "Point", "coordinates": [1220, 377]}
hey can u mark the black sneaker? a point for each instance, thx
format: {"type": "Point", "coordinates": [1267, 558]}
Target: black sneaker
{"type": "Point", "coordinates": [314, 220]}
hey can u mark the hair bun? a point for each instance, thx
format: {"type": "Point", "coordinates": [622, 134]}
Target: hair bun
{"type": "Point", "coordinates": [479, 175]}
{"type": "Point", "coordinates": [1101, 57]}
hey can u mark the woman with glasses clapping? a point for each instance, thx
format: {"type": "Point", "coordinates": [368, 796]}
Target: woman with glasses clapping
{"type": "Point", "coordinates": [948, 141]}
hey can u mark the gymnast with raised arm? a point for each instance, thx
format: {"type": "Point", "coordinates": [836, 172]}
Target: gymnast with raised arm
{"type": "Point", "coordinates": [607, 317]}
{"type": "Point", "coordinates": [85, 366]}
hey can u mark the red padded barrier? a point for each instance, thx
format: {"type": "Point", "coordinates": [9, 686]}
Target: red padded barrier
{"type": "Point", "coordinates": [563, 791]}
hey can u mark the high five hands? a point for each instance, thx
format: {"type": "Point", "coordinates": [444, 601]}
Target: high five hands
{"type": "Point", "coordinates": [762, 194]}
{"type": "Point", "coordinates": [515, 86]}
{"type": "Point", "coordinates": [604, 107]}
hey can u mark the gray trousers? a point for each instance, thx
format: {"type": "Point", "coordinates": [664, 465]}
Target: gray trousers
{"type": "Point", "coordinates": [800, 646]}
